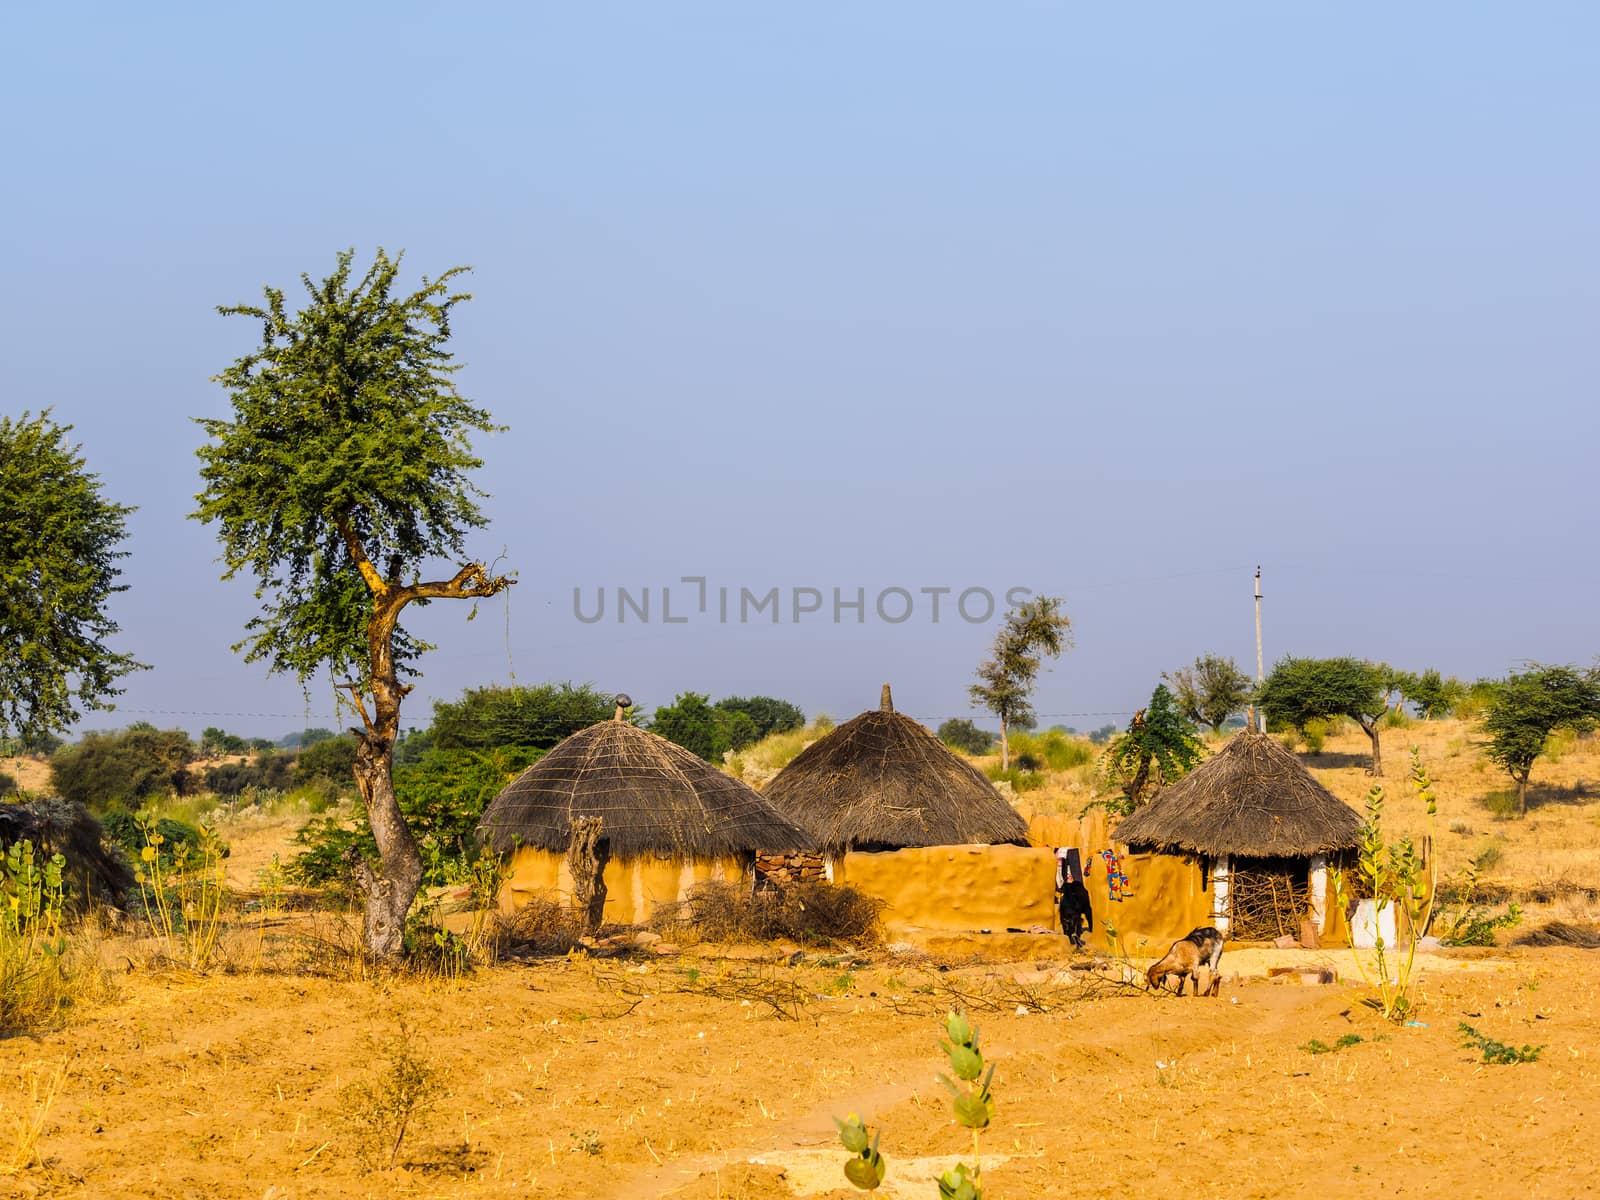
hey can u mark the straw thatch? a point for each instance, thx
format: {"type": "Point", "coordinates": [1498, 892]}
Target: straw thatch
{"type": "Point", "coordinates": [882, 782]}
{"type": "Point", "coordinates": [654, 797]}
{"type": "Point", "coordinates": [1253, 798]}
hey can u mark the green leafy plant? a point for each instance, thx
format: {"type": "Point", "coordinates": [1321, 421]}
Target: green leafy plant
{"type": "Point", "coordinates": [1348, 1040]}
{"type": "Point", "coordinates": [1159, 747]}
{"type": "Point", "coordinates": [1471, 924]}
{"type": "Point", "coordinates": [966, 737]}
{"type": "Point", "coordinates": [33, 971]}
{"type": "Point", "coordinates": [970, 1086]}
{"type": "Point", "coordinates": [1394, 875]}
{"type": "Point", "coordinates": [181, 886]}
{"type": "Point", "coordinates": [1498, 1053]}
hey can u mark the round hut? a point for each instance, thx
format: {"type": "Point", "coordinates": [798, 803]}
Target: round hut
{"type": "Point", "coordinates": [901, 816]}
{"type": "Point", "coordinates": [622, 811]}
{"type": "Point", "coordinates": [1262, 831]}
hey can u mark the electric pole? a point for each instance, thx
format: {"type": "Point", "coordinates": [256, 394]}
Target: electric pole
{"type": "Point", "coordinates": [1260, 675]}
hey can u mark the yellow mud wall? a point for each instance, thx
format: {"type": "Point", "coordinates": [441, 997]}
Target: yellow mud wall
{"type": "Point", "coordinates": [956, 887]}
{"type": "Point", "coordinates": [1167, 894]}
{"type": "Point", "coordinates": [634, 887]}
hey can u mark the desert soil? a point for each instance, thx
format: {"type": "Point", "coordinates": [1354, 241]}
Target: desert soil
{"type": "Point", "coordinates": [629, 1078]}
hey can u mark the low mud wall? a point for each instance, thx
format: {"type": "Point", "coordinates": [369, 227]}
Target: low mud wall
{"type": "Point", "coordinates": [634, 887]}
{"type": "Point", "coordinates": [956, 888]}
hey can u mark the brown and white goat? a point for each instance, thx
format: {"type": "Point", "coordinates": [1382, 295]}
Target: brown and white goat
{"type": "Point", "coordinates": [1199, 949]}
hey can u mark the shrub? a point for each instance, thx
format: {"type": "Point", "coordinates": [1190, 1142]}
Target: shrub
{"type": "Point", "coordinates": [1497, 1052]}
{"type": "Point", "coordinates": [275, 771]}
{"type": "Point", "coordinates": [442, 796]}
{"type": "Point", "coordinates": [122, 829]}
{"type": "Point", "coordinates": [490, 717]}
{"type": "Point", "coordinates": [8, 784]}
{"type": "Point", "coordinates": [111, 770]}
{"type": "Point", "coordinates": [758, 764]}
{"type": "Point", "coordinates": [380, 1112]}
{"type": "Point", "coordinates": [963, 735]}
{"type": "Point", "coordinates": [1020, 780]}
{"type": "Point", "coordinates": [693, 722]}
{"type": "Point", "coordinates": [1315, 732]}
{"type": "Point", "coordinates": [181, 886]}
{"type": "Point", "coordinates": [34, 983]}
{"type": "Point", "coordinates": [332, 759]}
{"type": "Point", "coordinates": [767, 714]}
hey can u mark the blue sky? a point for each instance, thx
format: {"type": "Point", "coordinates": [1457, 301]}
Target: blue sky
{"type": "Point", "coordinates": [1111, 305]}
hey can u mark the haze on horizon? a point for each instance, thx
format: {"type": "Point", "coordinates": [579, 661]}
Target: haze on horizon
{"type": "Point", "coordinates": [1105, 305]}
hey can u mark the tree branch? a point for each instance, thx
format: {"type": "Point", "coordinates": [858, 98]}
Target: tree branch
{"type": "Point", "coordinates": [471, 582]}
{"type": "Point", "coordinates": [376, 583]}
{"type": "Point", "coordinates": [355, 690]}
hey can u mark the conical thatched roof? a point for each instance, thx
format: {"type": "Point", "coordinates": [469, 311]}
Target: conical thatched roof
{"type": "Point", "coordinates": [882, 781]}
{"type": "Point", "coordinates": [654, 797]}
{"type": "Point", "coordinates": [1252, 798]}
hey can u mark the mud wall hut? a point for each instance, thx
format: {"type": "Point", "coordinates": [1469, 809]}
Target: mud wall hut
{"type": "Point", "coordinates": [1261, 833]}
{"type": "Point", "coordinates": [900, 816]}
{"type": "Point", "coordinates": [666, 821]}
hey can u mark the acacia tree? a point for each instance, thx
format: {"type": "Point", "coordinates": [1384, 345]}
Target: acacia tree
{"type": "Point", "coordinates": [341, 476]}
{"type": "Point", "coordinates": [1005, 681]}
{"type": "Point", "coordinates": [1526, 708]}
{"type": "Point", "coordinates": [1158, 748]}
{"type": "Point", "coordinates": [1211, 691]}
{"type": "Point", "coordinates": [1304, 689]}
{"type": "Point", "coordinates": [58, 571]}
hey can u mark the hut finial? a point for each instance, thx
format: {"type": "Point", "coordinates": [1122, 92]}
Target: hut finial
{"type": "Point", "coordinates": [886, 701]}
{"type": "Point", "coordinates": [624, 701]}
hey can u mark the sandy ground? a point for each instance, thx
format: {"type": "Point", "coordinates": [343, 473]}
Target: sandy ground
{"type": "Point", "coordinates": [578, 1078]}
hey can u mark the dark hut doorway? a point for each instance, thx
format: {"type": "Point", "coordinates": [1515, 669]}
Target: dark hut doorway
{"type": "Point", "coordinates": [1269, 898]}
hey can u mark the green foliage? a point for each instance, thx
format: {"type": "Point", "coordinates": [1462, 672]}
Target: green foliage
{"type": "Point", "coordinates": [58, 572]}
{"type": "Point", "coordinates": [1526, 708]}
{"type": "Point", "coordinates": [963, 735]}
{"type": "Point", "coordinates": [1005, 683]}
{"type": "Point", "coordinates": [1348, 1040]}
{"type": "Point", "coordinates": [8, 784]}
{"type": "Point", "coordinates": [971, 1102]}
{"type": "Point", "coordinates": [305, 738]}
{"type": "Point", "coordinates": [1020, 780]}
{"type": "Point", "coordinates": [1300, 689]}
{"type": "Point", "coordinates": [488, 717]}
{"type": "Point", "coordinates": [346, 424]}
{"type": "Point", "coordinates": [1392, 874]}
{"type": "Point", "coordinates": [703, 728]}
{"type": "Point", "coordinates": [441, 797]}
{"type": "Point", "coordinates": [267, 770]}
{"type": "Point", "coordinates": [1433, 694]}
{"type": "Point", "coordinates": [1210, 691]}
{"type": "Point", "coordinates": [35, 982]}
{"type": "Point", "coordinates": [1159, 748]}
{"type": "Point", "coordinates": [1103, 734]}
{"type": "Point", "coordinates": [1054, 748]}
{"type": "Point", "coordinates": [123, 769]}
{"type": "Point", "coordinates": [219, 741]}
{"type": "Point", "coordinates": [1497, 1053]}
{"type": "Point", "coordinates": [768, 714]}
{"type": "Point", "coordinates": [181, 886]}
{"type": "Point", "coordinates": [1315, 733]}
{"type": "Point", "coordinates": [332, 759]}
{"type": "Point", "coordinates": [1304, 689]}
{"type": "Point", "coordinates": [1470, 924]}
{"type": "Point", "coordinates": [123, 830]}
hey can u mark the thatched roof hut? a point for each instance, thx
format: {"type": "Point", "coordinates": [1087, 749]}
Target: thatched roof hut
{"type": "Point", "coordinates": [653, 796]}
{"type": "Point", "coordinates": [881, 781]}
{"type": "Point", "coordinates": [1253, 799]}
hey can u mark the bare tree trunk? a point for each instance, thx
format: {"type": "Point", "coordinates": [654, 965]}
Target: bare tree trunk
{"type": "Point", "coordinates": [586, 859]}
{"type": "Point", "coordinates": [387, 894]}
{"type": "Point", "coordinates": [388, 891]}
{"type": "Point", "coordinates": [1005, 746]}
{"type": "Point", "coordinates": [1522, 794]}
{"type": "Point", "coordinates": [1371, 729]}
